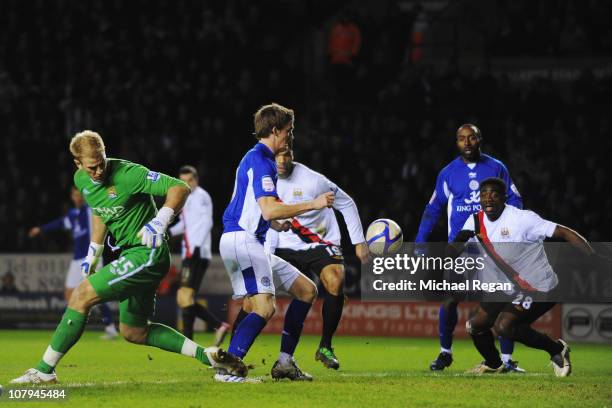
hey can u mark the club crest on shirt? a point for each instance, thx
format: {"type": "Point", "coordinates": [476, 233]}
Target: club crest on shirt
{"type": "Point", "coordinates": [153, 176]}
{"type": "Point", "coordinates": [297, 192]}
{"type": "Point", "coordinates": [111, 192]}
{"type": "Point", "coordinates": [505, 232]}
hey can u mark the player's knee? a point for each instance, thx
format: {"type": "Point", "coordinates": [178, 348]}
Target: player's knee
{"type": "Point", "coordinates": [332, 277]}
{"type": "Point", "coordinates": [505, 328]}
{"type": "Point", "coordinates": [310, 293]}
{"type": "Point", "coordinates": [83, 297]}
{"type": "Point", "coordinates": [475, 327]}
{"type": "Point", "coordinates": [264, 307]}
{"type": "Point", "coordinates": [136, 335]}
{"type": "Point", "coordinates": [184, 297]}
{"type": "Point", "coordinates": [304, 289]}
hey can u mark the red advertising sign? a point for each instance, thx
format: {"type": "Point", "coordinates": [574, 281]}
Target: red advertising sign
{"type": "Point", "coordinates": [392, 319]}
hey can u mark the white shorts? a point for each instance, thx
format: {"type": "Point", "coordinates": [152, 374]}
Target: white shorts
{"type": "Point", "coordinates": [252, 270]}
{"type": "Point", "coordinates": [74, 275]}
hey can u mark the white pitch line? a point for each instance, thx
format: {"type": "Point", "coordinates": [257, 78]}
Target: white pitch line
{"type": "Point", "coordinates": [432, 375]}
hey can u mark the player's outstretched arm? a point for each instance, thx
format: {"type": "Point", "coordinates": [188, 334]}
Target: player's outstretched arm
{"type": "Point", "coordinates": [574, 238]}
{"type": "Point", "coordinates": [272, 209]}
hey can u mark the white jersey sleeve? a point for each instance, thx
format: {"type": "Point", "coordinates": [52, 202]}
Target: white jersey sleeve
{"type": "Point", "coordinates": [345, 204]}
{"type": "Point", "coordinates": [537, 228]}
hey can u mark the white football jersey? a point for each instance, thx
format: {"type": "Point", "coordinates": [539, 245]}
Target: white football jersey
{"type": "Point", "coordinates": [195, 222]}
{"type": "Point", "coordinates": [517, 237]}
{"type": "Point", "coordinates": [315, 227]}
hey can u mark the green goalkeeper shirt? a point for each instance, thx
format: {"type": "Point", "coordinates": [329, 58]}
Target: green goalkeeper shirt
{"type": "Point", "coordinates": [124, 200]}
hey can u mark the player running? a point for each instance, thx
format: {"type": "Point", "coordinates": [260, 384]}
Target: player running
{"type": "Point", "coordinates": [195, 222]}
{"type": "Point", "coordinates": [246, 220]}
{"type": "Point", "coordinates": [78, 221]}
{"type": "Point", "coordinates": [120, 195]}
{"type": "Point", "coordinates": [313, 241]}
{"type": "Point", "coordinates": [457, 190]}
{"type": "Point", "coordinates": [496, 225]}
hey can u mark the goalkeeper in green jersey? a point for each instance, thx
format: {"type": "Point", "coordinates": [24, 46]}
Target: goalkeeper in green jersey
{"type": "Point", "coordinates": [120, 195]}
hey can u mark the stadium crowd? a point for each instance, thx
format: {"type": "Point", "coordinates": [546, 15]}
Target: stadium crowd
{"type": "Point", "coordinates": [168, 83]}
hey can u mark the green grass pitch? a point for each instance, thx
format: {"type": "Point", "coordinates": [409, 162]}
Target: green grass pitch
{"type": "Point", "coordinates": [376, 372]}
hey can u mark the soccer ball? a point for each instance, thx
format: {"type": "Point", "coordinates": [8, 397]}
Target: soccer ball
{"type": "Point", "coordinates": [384, 237]}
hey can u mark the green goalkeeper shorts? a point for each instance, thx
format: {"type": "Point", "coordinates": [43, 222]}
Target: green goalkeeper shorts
{"type": "Point", "coordinates": [133, 280]}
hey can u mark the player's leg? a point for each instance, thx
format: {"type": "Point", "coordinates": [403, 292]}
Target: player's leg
{"type": "Point", "coordinates": [479, 328]}
{"type": "Point", "coordinates": [251, 276]}
{"type": "Point", "coordinates": [67, 333]}
{"type": "Point", "coordinates": [514, 323]}
{"type": "Point", "coordinates": [135, 327]}
{"type": "Point", "coordinates": [261, 309]}
{"type": "Point", "coordinates": [73, 278]}
{"type": "Point", "coordinates": [332, 277]}
{"type": "Point", "coordinates": [447, 321]}
{"type": "Point", "coordinates": [304, 292]}
{"type": "Point", "coordinates": [507, 349]}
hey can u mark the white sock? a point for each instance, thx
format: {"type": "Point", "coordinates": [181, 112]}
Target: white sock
{"type": "Point", "coordinates": [52, 357]}
{"type": "Point", "coordinates": [284, 358]}
{"type": "Point", "coordinates": [111, 329]}
{"type": "Point", "coordinates": [189, 348]}
{"type": "Point", "coordinates": [506, 357]}
{"type": "Point", "coordinates": [445, 350]}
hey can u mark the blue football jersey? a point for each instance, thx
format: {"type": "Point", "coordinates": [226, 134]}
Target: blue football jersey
{"type": "Point", "coordinates": [458, 190]}
{"type": "Point", "coordinates": [256, 177]}
{"type": "Point", "coordinates": [78, 221]}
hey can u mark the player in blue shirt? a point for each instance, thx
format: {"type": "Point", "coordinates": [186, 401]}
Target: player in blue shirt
{"type": "Point", "coordinates": [457, 192]}
{"type": "Point", "coordinates": [78, 221]}
{"type": "Point", "coordinates": [254, 273]}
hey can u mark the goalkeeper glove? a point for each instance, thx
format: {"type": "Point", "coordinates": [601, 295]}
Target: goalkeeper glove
{"type": "Point", "coordinates": [152, 234]}
{"type": "Point", "coordinates": [94, 252]}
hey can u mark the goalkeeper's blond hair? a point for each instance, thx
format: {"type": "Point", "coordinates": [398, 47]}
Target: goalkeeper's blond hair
{"type": "Point", "coordinates": [86, 143]}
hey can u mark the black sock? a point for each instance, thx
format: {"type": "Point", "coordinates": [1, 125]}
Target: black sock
{"type": "Point", "coordinates": [205, 315]}
{"type": "Point", "coordinates": [332, 312]}
{"type": "Point", "coordinates": [188, 319]}
{"type": "Point", "coordinates": [485, 344]}
{"type": "Point", "coordinates": [534, 339]}
{"type": "Point", "coordinates": [241, 315]}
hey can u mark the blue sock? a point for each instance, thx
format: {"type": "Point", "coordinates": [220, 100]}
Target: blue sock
{"type": "Point", "coordinates": [506, 346]}
{"type": "Point", "coordinates": [446, 325]}
{"type": "Point", "coordinates": [248, 329]}
{"type": "Point", "coordinates": [107, 317]}
{"type": "Point", "coordinates": [294, 323]}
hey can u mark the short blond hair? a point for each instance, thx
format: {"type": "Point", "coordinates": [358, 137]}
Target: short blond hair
{"type": "Point", "coordinates": [87, 143]}
{"type": "Point", "coordinates": [269, 117]}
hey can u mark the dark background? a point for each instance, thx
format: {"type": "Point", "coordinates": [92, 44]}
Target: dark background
{"type": "Point", "coordinates": [169, 82]}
